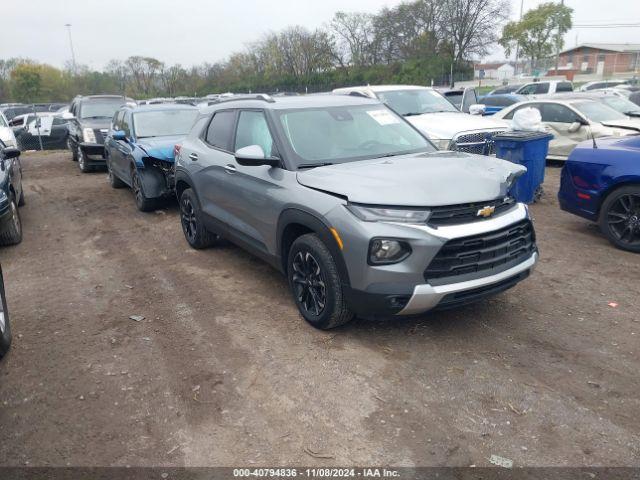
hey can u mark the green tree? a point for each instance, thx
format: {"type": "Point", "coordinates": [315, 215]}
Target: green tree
{"type": "Point", "coordinates": [26, 83]}
{"type": "Point", "coordinates": [539, 32]}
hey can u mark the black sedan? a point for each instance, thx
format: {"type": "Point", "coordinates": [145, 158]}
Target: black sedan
{"type": "Point", "coordinates": [11, 196]}
{"type": "Point", "coordinates": [5, 329]}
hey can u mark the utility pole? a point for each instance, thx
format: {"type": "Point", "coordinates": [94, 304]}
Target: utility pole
{"type": "Point", "coordinates": [515, 70]}
{"type": "Point", "coordinates": [73, 54]}
{"type": "Point", "coordinates": [558, 44]}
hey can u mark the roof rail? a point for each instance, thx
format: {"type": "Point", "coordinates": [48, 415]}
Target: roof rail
{"type": "Point", "coordinates": [260, 96]}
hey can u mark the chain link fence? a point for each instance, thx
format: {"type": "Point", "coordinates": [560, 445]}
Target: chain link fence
{"type": "Point", "coordinates": [40, 130]}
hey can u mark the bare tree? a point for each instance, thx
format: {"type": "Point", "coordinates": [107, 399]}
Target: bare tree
{"type": "Point", "coordinates": [352, 35]}
{"type": "Point", "coordinates": [470, 26]}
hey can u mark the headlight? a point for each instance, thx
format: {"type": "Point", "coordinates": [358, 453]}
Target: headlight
{"type": "Point", "coordinates": [377, 214]}
{"type": "Point", "coordinates": [512, 177]}
{"type": "Point", "coordinates": [386, 251]}
{"type": "Point", "coordinates": [441, 143]}
{"type": "Point", "coordinates": [89, 135]}
{"type": "Point", "coordinates": [3, 196]}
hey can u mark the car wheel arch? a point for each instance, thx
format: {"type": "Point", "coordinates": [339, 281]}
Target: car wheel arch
{"type": "Point", "coordinates": [612, 189]}
{"type": "Point", "coordinates": [294, 223]}
{"type": "Point", "coordinates": [183, 182]}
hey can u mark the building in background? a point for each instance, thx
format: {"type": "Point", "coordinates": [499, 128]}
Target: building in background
{"type": "Point", "coordinates": [496, 71]}
{"type": "Point", "coordinates": [602, 59]}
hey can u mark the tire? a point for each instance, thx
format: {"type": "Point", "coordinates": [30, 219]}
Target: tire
{"type": "Point", "coordinates": [12, 234]}
{"type": "Point", "coordinates": [82, 161]}
{"type": "Point", "coordinates": [315, 283]}
{"type": "Point", "coordinates": [620, 218]}
{"type": "Point", "coordinates": [114, 180]}
{"type": "Point", "coordinates": [192, 226]}
{"type": "Point", "coordinates": [5, 337]}
{"type": "Point", "coordinates": [21, 201]}
{"type": "Point", "coordinates": [74, 154]}
{"type": "Point", "coordinates": [143, 203]}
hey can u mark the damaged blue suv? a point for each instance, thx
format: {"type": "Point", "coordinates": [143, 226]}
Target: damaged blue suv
{"type": "Point", "coordinates": [354, 205]}
{"type": "Point", "coordinates": [140, 149]}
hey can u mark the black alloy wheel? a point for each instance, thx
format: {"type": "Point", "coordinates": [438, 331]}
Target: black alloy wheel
{"type": "Point", "coordinates": [188, 219]}
{"type": "Point", "coordinates": [309, 283]}
{"type": "Point", "coordinates": [620, 218]}
{"type": "Point", "coordinates": [193, 228]}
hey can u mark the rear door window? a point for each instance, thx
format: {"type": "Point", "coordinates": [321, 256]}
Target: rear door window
{"type": "Point", "coordinates": [553, 112]}
{"type": "Point", "coordinates": [220, 131]}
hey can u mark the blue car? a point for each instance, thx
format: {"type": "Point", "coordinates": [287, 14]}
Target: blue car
{"type": "Point", "coordinates": [140, 149]}
{"type": "Point", "coordinates": [11, 195]}
{"type": "Point", "coordinates": [496, 102]}
{"type": "Point", "coordinates": [601, 182]}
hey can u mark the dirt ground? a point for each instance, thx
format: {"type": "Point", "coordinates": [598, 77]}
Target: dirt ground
{"type": "Point", "coordinates": [222, 371]}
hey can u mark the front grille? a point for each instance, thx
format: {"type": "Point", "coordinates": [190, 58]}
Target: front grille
{"type": "Point", "coordinates": [490, 253]}
{"type": "Point", "coordinates": [467, 213]}
{"type": "Point", "coordinates": [480, 143]}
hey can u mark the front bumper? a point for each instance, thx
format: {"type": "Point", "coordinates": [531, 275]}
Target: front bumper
{"type": "Point", "coordinates": [407, 288]}
{"type": "Point", "coordinates": [427, 297]}
{"type": "Point", "coordinates": [94, 153]}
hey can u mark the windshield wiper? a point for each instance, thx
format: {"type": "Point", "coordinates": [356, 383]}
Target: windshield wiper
{"type": "Point", "coordinates": [412, 114]}
{"type": "Point", "coordinates": [95, 116]}
{"type": "Point", "coordinates": [635, 113]}
{"type": "Point", "coordinates": [313, 165]}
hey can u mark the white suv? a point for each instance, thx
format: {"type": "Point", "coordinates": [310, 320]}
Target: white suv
{"type": "Point", "coordinates": [431, 113]}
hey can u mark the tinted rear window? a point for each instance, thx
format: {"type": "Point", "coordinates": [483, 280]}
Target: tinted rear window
{"type": "Point", "coordinates": [220, 131]}
{"type": "Point", "coordinates": [564, 87]}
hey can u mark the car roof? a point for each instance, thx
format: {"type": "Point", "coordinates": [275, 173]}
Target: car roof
{"type": "Point", "coordinates": [158, 107]}
{"type": "Point", "coordinates": [382, 88]}
{"type": "Point", "coordinates": [292, 102]}
{"type": "Point", "coordinates": [103, 97]}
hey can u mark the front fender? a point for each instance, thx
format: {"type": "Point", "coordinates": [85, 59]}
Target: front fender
{"type": "Point", "coordinates": [292, 216]}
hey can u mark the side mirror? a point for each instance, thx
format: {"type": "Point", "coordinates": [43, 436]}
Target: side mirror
{"type": "Point", "coordinates": [10, 152]}
{"type": "Point", "coordinates": [477, 109]}
{"type": "Point", "coordinates": [119, 135]}
{"type": "Point", "coordinates": [574, 127]}
{"type": "Point", "coordinates": [253, 156]}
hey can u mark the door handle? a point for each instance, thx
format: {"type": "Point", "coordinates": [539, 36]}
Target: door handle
{"type": "Point", "coordinates": [193, 156]}
{"type": "Point", "coordinates": [230, 169]}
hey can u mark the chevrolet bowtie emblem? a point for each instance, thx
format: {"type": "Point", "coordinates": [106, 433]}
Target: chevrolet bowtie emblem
{"type": "Point", "coordinates": [486, 212]}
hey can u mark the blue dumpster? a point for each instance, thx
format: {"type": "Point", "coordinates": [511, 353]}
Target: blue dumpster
{"type": "Point", "coordinates": [530, 150]}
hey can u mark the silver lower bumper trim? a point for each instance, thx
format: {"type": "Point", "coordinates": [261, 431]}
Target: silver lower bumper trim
{"type": "Point", "coordinates": [426, 297]}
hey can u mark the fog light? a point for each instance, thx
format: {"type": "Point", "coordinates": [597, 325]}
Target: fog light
{"type": "Point", "coordinates": [386, 251]}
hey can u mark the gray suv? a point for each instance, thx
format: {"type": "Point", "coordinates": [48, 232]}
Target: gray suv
{"type": "Point", "coordinates": [357, 208]}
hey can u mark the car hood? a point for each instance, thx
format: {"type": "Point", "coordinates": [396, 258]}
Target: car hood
{"type": "Point", "coordinates": [95, 123]}
{"type": "Point", "coordinates": [446, 125]}
{"type": "Point", "coordinates": [160, 147]}
{"type": "Point", "coordinates": [426, 180]}
{"type": "Point", "coordinates": [631, 124]}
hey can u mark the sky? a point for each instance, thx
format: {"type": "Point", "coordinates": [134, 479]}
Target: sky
{"type": "Point", "coordinates": [191, 32]}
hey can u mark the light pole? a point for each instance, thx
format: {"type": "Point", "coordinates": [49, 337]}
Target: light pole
{"type": "Point", "coordinates": [73, 54]}
{"type": "Point", "coordinates": [558, 41]}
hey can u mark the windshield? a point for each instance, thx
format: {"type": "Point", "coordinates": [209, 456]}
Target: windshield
{"type": "Point", "coordinates": [163, 123]}
{"type": "Point", "coordinates": [416, 102]}
{"type": "Point", "coordinates": [343, 134]}
{"type": "Point", "coordinates": [598, 112]}
{"type": "Point", "coordinates": [621, 104]}
{"type": "Point", "coordinates": [100, 108]}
